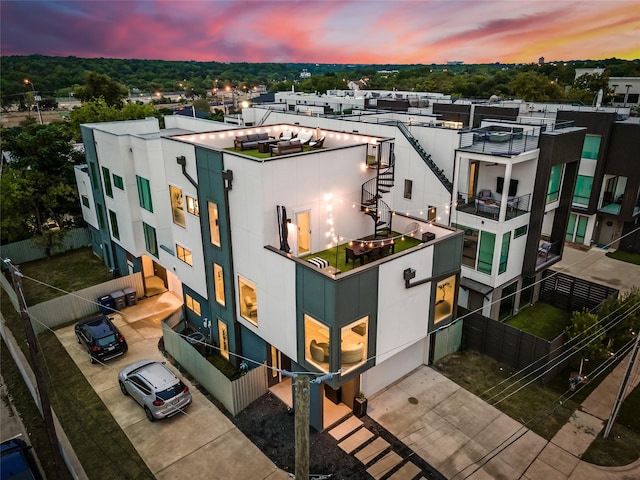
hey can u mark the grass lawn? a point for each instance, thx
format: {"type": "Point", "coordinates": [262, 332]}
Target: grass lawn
{"type": "Point", "coordinates": [102, 447]}
{"type": "Point", "coordinates": [625, 256]}
{"type": "Point", "coordinates": [542, 320]}
{"type": "Point", "coordinates": [336, 255]}
{"type": "Point", "coordinates": [544, 408]}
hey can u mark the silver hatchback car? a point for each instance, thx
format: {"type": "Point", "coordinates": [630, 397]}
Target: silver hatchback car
{"type": "Point", "coordinates": [155, 388]}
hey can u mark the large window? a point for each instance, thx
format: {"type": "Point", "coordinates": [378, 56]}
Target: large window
{"type": "Point", "coordinates": [184, 254]}
{"type": "Point", "coordinates": [192, 304]}
{"type": "Point", "coordinates": [106, 178]}
{"type": "Point", "coordinates": [470, 246]}
{"type": "Point", "coordinates": [591, 146]}
{"type": "Point", "coordinates": [553, 191]}
{"type": "Point", "coordinates": [150, 240]}
{"type": "Point", "coordinates": [504, 252]}
{"type": "Point", "coordinates": [354, 339]}
{"type": "Point", "coordinates": [445, 292]}
{"type": "Point", "coordinates": [248, 300]}
{"type": "Point", "coordinates": [214, 228]}
{"type": "Point", "coordinates": [218, 283]}
{"type": "Point", "coordinates": [177, 205]}
{"type": "Point", "coordinates": [144, 193]}
{"type": "Point", "coordinates": [192, 206]}
{"type": "Point", "coordinates": [582, 192]}
{"type": "Point", "coordinates": [576, 228]}
{"type": "Point", "coordinates": [485, 254]}
{"type": "Point", "coordinates": [316, 343]}
{"type": "Point", "coordinates": [114, 225]}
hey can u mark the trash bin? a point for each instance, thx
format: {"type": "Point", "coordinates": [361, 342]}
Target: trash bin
{"type": "Point", "coordinates": [118, 299]}
{"type": "Point", "coordinates": [106, 305]}
{"type": "Point", "coordinates": [130, 296]}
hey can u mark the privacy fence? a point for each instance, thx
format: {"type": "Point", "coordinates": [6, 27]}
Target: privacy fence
{"type": "Point", "coordinates": [32, 249]}
{"type": "Point", "coordinates": [235, 395]}
{"type": "Point", "coordinates": [571, 293]}
{"type": "Point", "coordinates": [511, 346]}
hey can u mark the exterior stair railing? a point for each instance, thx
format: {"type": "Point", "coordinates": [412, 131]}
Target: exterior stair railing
{"type": "Point", "coordinates": [371, 203]}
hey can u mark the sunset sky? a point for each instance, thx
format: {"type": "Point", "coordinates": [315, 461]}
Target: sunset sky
{"type": "Point", "coordinates": [325, 31]}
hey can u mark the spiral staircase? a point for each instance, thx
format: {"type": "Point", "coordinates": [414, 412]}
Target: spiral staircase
{"type": "Point", "coordinates": [380, 158]}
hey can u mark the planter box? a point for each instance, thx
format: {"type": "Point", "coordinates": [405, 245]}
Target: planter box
{"type": "Point", "coordinates": [360, 407]}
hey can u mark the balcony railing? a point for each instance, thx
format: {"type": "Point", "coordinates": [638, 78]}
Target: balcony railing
{"type": "Point", "coordinates": [485, 208]}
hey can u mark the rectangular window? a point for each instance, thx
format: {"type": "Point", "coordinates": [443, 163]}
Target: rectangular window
{"type": "Point", "coordinates": [520, 231]}
{"type": "Point", "coordinates": [553, 191]}
{"type": "Point", "coordinates": [118, 182]}
{"type": "Point", "coordinates": [218, 283]}
{"type": "Point", "coordinates": [432, 214]}
{"type": "Point", "coordinates": [101, 219]}
{"type": "Point", "coordinates": [470, 246]}
{"type": "Point", "coordinates": [114, 225]}
{"type": "Point", "coordinates": [316, 343]}
{"type": "Point", "coordinates": [192, 206]}
{"type": "Point", "coordinates": [106, 178]}
{"type": "Point", "coordinates": [582, 192]}
{"type": "Point", "coordinates": [177, 206]}
{"type": "Point", "coordinates": [248, 300]}
{"type": "Point", "coordinates": [184, 255]}
{"type": "Point", "coordinates": [581, 231]}
{"type": "Point", "coordinates": [85, 200]}
{"type": "Point", "coordinates": [485, 254]}
{"type": "Point", "coordinates": [224, 339]}
{"type": "Point", "coordinates": [354, 339]}
{"type": "Point", "coordinates": [95, 184]}
{"type": "Point", "coordinates": [150, 240]}
{"type": "Point", "coordinates": [214, 228]}
{"type": "Point", "coordinates": [571, 227]}
{"type": "Point", "coordinates": [144, 193]}
{"type": "Point", "coordinates": [591, 146]}
{"type": "Point", "coordinates": [408, 187]}
{"type": "Point", "coordinates": [504, 252]}
{"type": "Point", "coordinates": [192, 304]}
{"type": "Point", "coordinates": [445, 291]}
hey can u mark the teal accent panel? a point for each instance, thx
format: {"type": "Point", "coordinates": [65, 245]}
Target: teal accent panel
{"type": "Point", "coordinates": [447, 255]}
{"type": "Point", "coordinates": [253, 347]}
{"type": "Point", "coordinates": [209, 165]}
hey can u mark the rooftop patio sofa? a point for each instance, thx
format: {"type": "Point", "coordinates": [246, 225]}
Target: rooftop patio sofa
{"type": "Point", "coordinates": [246, 142]}
{"type": "Point", "coordinates": [286, 147]}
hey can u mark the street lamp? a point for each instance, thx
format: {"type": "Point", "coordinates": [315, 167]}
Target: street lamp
{"type": "Point", "coordinates": [27, 81]}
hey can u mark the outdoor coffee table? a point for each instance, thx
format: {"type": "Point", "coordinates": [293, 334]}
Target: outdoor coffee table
{"type": "Point", "coordinates": [264, 146]}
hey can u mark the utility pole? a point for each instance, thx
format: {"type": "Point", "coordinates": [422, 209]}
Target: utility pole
{"type": "Point", "coordinates": [302, 426]}
{"type": "Point", "coordinates": [623, 388]}
{"type": "Point", "coordinates": [45, 404]}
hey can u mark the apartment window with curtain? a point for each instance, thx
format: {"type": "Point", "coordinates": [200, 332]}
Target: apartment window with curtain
{"type": "Point", "coordinates": [144, 193]}
{"type": "Point", "coordinates": [591, 146]}
{"type": "Point", "coordinates": [184, 255]}
{"type": "Point", "coordinates": [114, 225]}
{"type": "Point", "coordinates": [106, 177]}
{"type": "Point", "coordinates": [150, 240]}
{"type": "Point", "coordinates": [485, 252]}
{"type": "Point", "coordinates": [555, 177]}
{"type": "Point", "coordinates": [582, 192]}
{"type": "Point", "coordinates": [214, 227]}
{"type": "Point", "coordinates": [218, 283]}
{"type": "Point", "coordinates": [504, 252]}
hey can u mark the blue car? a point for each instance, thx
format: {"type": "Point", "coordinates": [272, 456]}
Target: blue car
{"type": "Point", "coordinates": [17, 462]}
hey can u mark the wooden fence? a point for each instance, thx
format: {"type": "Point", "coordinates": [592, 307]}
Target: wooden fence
{"type": "Point", "coordinates": [573, 294]}
{"type": "Point", "coordinates": [29, 250]}
{"type": "Point", "coordinates": [511, 346]}
{"type": "Point", "coordinates": [235, 395]}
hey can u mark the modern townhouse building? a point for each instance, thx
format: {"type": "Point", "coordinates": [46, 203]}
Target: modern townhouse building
{"type": "Point", "coordinates": [248, 239]}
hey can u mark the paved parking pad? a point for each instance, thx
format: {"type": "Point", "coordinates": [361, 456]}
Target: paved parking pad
{"type": "Point", "coordinates": [201, 442]}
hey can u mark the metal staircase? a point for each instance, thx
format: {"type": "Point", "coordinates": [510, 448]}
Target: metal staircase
{"type": "Point", "coordinates": [371, 203]}
{"type": "Point", "coordinates": [438, 172]}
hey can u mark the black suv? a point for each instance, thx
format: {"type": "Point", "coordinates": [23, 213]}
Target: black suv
{"type": "Point", "coordinates": [101, 338]}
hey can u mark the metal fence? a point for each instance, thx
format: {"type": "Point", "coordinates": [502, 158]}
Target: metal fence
{"type": "Point", "coordinates": [29, 250]}
{"type": "Point", "coordinates": [513, 347]}
{"type": "Point", "coordinates": [61, 310]}
{"type": "Point", "coordinates": [235, 395]}
{"type": "Point", "coordinates": [573, 294]}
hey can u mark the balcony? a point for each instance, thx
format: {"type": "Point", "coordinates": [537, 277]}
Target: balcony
{"type": "Point", "coordinates": [501, 142]}
{"type": "Point", "coordinates": [488, 208]}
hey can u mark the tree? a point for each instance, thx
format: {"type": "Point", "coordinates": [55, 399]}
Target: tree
{"type": "Point", "coordinates": [588, 337]}
{"type": "Point", "coordinates": [202, 105]}
{"type": "Point", "coordinates": [38, 184]}
{"type": "Point", "coordinates": [535, 87]}
{"type": "Point", "coordinates": [99, 85]}
{"type": "Point", "coordinates": [621, 317]}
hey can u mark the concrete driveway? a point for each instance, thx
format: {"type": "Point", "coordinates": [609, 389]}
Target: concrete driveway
{"type": "Point", "coordinates": [202, 442]}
